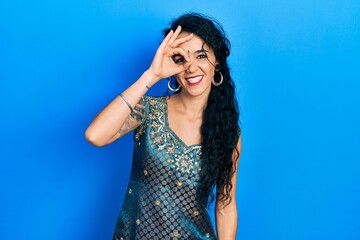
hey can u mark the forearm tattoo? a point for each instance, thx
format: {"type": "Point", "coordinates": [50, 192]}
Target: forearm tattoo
{"type": "Point", "coordinates": [134, 119]}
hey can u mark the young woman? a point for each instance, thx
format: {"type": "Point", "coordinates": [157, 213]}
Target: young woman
{"type": "Point", "coordinates": [185, 144]}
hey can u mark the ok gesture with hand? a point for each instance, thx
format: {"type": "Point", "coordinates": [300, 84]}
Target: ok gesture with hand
{"type": "Point", "coordinates": [163, 65]}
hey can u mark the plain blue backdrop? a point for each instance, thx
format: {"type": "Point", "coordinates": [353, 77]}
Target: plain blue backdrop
{"type": "Point", "coordinates": [296, 66]}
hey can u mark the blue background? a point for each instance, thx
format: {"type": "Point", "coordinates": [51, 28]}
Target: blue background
{"type": "Point", "coordinates": [296, 65]}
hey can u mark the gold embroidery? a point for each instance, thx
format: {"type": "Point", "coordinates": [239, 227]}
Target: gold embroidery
{"type": "Point", "coordinates": [176, 234]}
{"type": "Point", "coordinates": [179, 183]}
{"type": "Point", "coordinates": [154, 203]}
{"type": "Point", "coordinates": [181, 157]}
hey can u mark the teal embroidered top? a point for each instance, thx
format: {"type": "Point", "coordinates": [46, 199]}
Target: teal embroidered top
{"type": "Point", "coordinates": [161, 201]}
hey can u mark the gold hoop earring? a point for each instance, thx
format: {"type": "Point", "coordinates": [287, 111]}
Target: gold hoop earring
{"type": "Point", "coordinates": [216, 84]}
{"type": "Point", "coordinates": [173, 89]}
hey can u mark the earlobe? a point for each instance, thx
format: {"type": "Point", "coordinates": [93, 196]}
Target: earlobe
{"type": "Point", "coordinates": [217, 66]}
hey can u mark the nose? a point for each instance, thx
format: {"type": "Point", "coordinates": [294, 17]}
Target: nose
{"type": "Point", "coordinates": [192, 67]}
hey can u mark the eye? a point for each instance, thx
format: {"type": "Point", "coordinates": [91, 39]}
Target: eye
{"type": "Point", "coordinates": [178, 59]}
{"type": "Point", "coordinates": [202, 56]}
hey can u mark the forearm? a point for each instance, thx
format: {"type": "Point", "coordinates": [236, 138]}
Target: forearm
{"type": "Point", "coordinates": [105, 127]}
{"type": "Point", "coordinates": [226, 224]}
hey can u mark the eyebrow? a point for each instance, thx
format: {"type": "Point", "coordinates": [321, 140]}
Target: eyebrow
{"type": "Point", "coordinates": [197, 51]}
{"type": "Point", "coordinates": [201, 51]}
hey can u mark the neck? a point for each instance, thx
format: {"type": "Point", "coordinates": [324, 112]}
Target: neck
{"type": "Point", "coordinates": [193, 107]}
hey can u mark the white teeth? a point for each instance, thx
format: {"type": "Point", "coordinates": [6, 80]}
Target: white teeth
{"type": "Point", "coordinates": [194, 79]}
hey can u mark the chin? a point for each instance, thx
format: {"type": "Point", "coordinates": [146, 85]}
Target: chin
{"type": "Point", "coordinates": [198, 93]}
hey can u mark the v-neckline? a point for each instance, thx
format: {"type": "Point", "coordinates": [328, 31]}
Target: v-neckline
{"type": "Point", "coordinates": [167, 125]}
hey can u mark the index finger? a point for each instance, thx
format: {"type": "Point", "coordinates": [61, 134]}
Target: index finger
{"type": "Point", "coordinates": [167, 38]}
{"type": "Point", "coordinates": [175, 35]}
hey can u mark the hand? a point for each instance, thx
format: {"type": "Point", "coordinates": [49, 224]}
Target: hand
{"type": "Point", "coordinates": [163, 65]}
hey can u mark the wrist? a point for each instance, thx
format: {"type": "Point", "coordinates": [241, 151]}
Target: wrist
{"type": "Point", "coordinates": [150, 78]}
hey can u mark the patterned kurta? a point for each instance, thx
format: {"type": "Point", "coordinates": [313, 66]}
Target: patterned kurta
{"type": "Point", "coordinates": [161, 200]}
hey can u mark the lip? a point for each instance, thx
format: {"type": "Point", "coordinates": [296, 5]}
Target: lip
{"type": "Point", "coordinates": [194, 80]}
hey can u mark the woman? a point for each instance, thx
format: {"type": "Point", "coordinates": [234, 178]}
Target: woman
{"type": "Point", "coordinates": [185, 144]}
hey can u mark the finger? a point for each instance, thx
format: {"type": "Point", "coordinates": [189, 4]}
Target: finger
{"type": "Point", "coordinates": [186, 65]}
{"type": "Point", "coordinates": [174, 36]}
{"type": "Point", "coordinates": [167, 38]}
{"type": "Point", "coordinates": [182, 52]}
{"type": "Point", "coordinates": [179, 41]}
{"type": "Point", "coordinates": [179, 69]}
{"type": "Point", "coordinates": [183, 67]}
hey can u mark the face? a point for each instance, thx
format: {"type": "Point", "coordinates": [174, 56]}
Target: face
{"type": "Point", "coordinates": [196, 80]}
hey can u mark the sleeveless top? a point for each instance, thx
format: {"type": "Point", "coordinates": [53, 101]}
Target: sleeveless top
{"type": "Point", "coordinates": [161, 200]}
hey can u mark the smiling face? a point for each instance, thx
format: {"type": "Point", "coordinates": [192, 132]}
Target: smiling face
{"type": "Point", "coordinates": [196, 80]}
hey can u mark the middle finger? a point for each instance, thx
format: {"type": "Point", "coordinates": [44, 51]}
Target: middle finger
{"type": "Point", "coordinates": [181, 40]}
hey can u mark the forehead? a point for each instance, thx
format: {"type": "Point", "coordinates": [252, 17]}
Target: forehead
{"type": "Point", "coordinates": [194, 44]}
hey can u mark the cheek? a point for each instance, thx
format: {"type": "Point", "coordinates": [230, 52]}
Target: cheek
{"type": "Point", "coordinates": [178, 78]}
{"type": "Point", "coordinates": [207, 68]}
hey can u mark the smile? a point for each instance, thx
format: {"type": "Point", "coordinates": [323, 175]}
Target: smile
{"type": "Point", "coordinates": [194, 80]}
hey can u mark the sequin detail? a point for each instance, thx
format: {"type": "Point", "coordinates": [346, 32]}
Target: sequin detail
{"type": "Point", "coordinates": [162, 200]}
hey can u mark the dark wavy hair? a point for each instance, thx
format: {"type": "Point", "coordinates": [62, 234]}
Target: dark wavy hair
{"type": "Point", "coordinates": [219, 130]}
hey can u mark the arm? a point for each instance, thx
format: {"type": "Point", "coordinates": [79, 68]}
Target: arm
{"type": "Point", "coordinates": [226, 215]}
{"type": "Point", "coordinates": [113, 121]}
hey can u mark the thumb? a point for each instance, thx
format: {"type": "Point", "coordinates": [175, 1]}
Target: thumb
{"type": "Point", "coordinates": [186, 65]}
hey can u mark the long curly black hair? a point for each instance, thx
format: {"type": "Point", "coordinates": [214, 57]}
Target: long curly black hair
{"type": "Point", "coordinates": [220, 131]}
